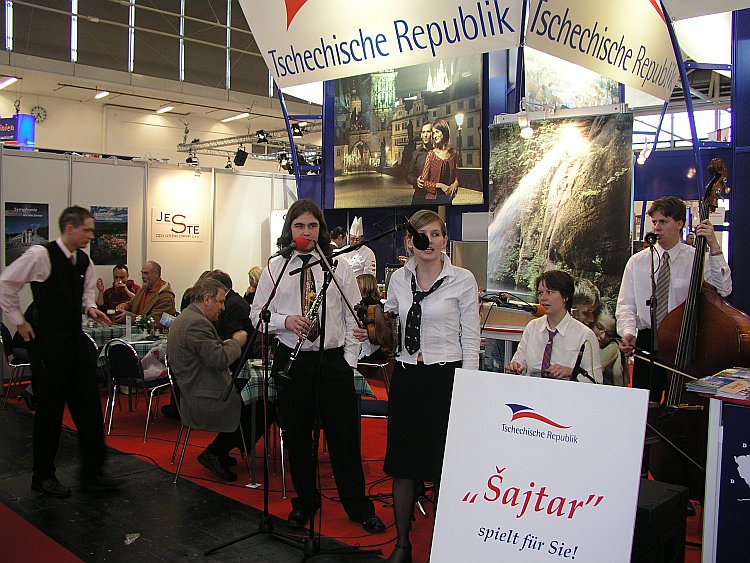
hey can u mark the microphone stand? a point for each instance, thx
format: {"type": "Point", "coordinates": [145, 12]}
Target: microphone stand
{"type": "Point", "coordinates": [265, 526]}
{"type": "Point", "coordinates": [652, 313]}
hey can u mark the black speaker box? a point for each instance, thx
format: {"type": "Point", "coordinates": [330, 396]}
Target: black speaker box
{"type": "Point", "coordinates": [240, 157]}
{"type": "Point", "coordinates": [660, 523]}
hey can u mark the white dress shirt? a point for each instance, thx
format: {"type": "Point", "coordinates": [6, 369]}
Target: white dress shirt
{"type": "Point", "coordinates": [450, 315]}
{"type": "Point", "coordinates": [339, 323]}
{"type": "Point", "coordinates": [635, 290]}
{"type": "Point", "coordinates": [34, 265]}
{"type": "Point", "coordinates": [361, 260]}
{"type": "Point", "coordinates": [571, 335]}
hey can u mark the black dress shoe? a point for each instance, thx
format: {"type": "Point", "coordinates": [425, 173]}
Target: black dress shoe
{"type": "Point", "coordinates": [51, 487]}
{"type": "Point", "coordinates": [373, 525]}
{"type": "Point", "coordinates": [212, 462]}
{"type": "Point", "coordinates": [400, 554]}
{"type": "Point", "coordinates": [297, 518]}
{"type": "Point", "coordinates": [29, 399]}
{"type": "Point", "coordinates": [100, 483]}
{"type": "Point", "coordinates": [228, 460]}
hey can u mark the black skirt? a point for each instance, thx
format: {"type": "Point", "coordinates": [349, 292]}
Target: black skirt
{"type": "Point", "coordinates": [419, 402]}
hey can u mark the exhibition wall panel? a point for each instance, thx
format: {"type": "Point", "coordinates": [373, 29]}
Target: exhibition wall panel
{"type": "Point", "coordinates": [178, 224]}
{"type": "Point", "coordinates": [118, 184]}
{"type": "Point", "coordinates": [241, 222]}
{"type": "Point", "coordinates": [29, 178]}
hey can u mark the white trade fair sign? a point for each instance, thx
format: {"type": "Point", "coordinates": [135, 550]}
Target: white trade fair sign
{"type": "Point", "coordinates": [626, 41]}
{"type": "Point", "coordinates": [539, 470]}
{"type": "Point", "coordinates": [311, 40]}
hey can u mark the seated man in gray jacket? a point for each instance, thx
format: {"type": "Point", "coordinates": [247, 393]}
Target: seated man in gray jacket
{"type": "Point", "coordinates": [199, 361]}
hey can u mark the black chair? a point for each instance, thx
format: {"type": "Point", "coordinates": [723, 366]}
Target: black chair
{"type": "Point", "coordinates": [15, 372]}
{"type": "Point", "coordinates": [123, 367]}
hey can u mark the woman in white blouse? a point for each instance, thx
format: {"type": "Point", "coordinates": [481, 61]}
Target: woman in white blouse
{"type": "Point", "coordinates": [420, 393]}
{"type": "Point", "coordinates": [551, 344]}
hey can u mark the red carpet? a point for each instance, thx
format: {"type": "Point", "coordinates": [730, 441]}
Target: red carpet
{"type": "Point", "coordinates": [22, 542]}
{"type": "Point", "coordinates": [127, 437]}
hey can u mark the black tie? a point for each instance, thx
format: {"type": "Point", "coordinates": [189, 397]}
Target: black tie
{"type": "Point", "coordinates": [414, 318]}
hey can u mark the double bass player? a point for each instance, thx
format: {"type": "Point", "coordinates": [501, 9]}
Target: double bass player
{"type": "Point", "coordinates": [672, 264]}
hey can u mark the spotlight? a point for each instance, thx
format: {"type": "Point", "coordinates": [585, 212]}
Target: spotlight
{"type": "Point", "coordinates": [228, 165]}
{"type": "Point", "coordinates": [262, 136]}
{"type": "Point", "coordinates": [296, 130]}
{"type": "Point", "coordinates": [240, 156]}
{"type": "Point", "coordinates": [101, 94]}
{"type": "Point", "coordinates": [285, 162]}
{"type": "Point", "coordinates": [644, 154]}
{"type": "Point", "coordinates": [192, 159]}
{"type": "Point", "coordinates": [165, 109]}
{"type": "Point", "coordinates": [527, 132]}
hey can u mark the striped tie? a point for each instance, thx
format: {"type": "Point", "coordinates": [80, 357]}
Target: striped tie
{"type": "Point", "coordinates": [547, 357]}
{"type": "Point", "coordinates": [662, 289]}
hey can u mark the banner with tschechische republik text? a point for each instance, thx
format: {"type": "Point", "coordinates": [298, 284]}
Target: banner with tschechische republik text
{"type": "Point", "coordinates": [626, 41]}
{"type": "Point", "coordinates": [306, 41]}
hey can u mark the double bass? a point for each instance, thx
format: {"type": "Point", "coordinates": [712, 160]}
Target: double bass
{"type": "Point", "coordinates": [700, 337]}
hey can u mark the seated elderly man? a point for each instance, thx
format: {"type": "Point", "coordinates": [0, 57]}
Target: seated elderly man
{"type": "Point", "coordinates": [154, 298]}
{"type": "Point", "coordinates": [199, 360]}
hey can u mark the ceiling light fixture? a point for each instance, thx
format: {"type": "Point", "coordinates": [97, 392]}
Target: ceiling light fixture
{"type": "Point", "coordinates": [7, 81]}
{"type": "Point", "coordinates": [165, 109]}
{"type": "Point", "coordinates": [234, 117]}
{"type": "Point", "coordinates": [192, 159]}
{"type": "Point", "coordinates": [101, 94]}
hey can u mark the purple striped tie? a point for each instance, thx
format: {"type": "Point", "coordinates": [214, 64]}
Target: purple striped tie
{"type": "Point", "coordinates": [547, 358]}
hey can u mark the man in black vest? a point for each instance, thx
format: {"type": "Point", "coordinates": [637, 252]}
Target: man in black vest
{"type": "Point", "coordinates": [63, 363]}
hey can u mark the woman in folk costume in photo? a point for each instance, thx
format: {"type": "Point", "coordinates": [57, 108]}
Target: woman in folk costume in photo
{"type": "Point", "coordinates": [438, 177]}
{"type": "Point", "coordinates": [362, 260]}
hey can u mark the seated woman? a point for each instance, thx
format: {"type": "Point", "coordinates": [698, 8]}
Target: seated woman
{"type": "Point", "coordinates": [550, 345]}
{"type": "Point", "coordinates": [615, 369]}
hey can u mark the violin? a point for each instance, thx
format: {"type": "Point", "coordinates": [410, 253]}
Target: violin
{"type": "Point", "coordinates": [381, 326]}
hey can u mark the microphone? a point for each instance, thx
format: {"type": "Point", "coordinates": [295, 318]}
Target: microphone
{"type": "Point", "coordinates": [420, 240]}
{"type": "Point", "coordinates": [650, 239]}
{"type": "Point", "coordinates": [536, 310]}
{"type": "Point", "coordinates": [297, 243]}
{"type": "Point", "coordinates": [577, 369]}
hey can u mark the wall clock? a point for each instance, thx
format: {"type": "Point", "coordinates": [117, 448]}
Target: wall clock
{"type": "Point", "coordinates": [39, 113]}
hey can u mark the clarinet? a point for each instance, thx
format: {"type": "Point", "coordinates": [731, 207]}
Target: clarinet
{"type": "Point", "coordinates": [312, 316]}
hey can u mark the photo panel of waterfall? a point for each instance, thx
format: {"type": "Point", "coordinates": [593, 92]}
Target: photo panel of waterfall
{"type": "Point", "coordinates": [378, 131]}
{"type": "Point", "coordinates": [560, 199]}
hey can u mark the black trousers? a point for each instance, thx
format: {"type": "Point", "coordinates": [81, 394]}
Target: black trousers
{"type": "Point", "coordinates": [64, 371]}
{"type": "Point", "coordinates": [643, 377]}
{"type": "Point", "coordinates": [339, 417]}
{"type": "Point", "coordinates": [224, 442]}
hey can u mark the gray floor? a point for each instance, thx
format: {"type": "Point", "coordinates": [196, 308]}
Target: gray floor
{"type": "Point", "coordinates": [174, 522]}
